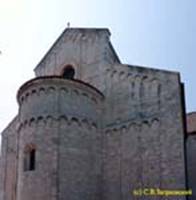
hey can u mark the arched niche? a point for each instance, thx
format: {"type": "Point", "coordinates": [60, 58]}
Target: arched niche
{"type": "Point", "coordinates": [68, 72]}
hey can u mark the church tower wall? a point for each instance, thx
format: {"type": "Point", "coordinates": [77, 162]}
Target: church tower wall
{"type": "Point", "coordinates": [60, 121]}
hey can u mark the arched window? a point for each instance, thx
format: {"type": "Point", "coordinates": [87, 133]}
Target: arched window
{"type": "Point", "coordinates": [29, 158]}
{"type": "Point", "coordinates": [68, 72]}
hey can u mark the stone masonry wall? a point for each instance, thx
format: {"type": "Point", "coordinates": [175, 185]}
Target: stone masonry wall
{"type": "Point", "coordinates": [8, 173]}
{"type": "Point", "coordinates": [66, 136]}
{"type": "Point", "coordinates": [191, 163]}
{"type": "Point", "coordinates": [144, 133]}
{"type": "Point", "coordinates": [191, 149]}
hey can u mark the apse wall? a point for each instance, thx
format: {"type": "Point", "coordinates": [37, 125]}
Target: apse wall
{"type": "Point", "coordinates": [60, 120]}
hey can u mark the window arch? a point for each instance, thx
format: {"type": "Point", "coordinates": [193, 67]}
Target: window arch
{"type": "Point", "coordinates": [29, 158]}
{"type": "Point", "coordinates": [68, 72]}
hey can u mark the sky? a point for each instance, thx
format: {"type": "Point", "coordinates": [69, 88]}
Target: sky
{"type": "Point", "coordinates": [153, 33]}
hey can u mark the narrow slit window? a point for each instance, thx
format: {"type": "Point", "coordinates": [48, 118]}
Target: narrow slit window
{"type": "Point", "coordinates": [32, 160]}
{"type": "Point", "coordinates": [29, 160]}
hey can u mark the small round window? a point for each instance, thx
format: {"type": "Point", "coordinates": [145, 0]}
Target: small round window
{"type": "Point", "coordinates": [68, 72]}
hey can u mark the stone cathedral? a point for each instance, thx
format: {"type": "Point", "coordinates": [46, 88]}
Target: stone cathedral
{"type": "Point", "coordinates": [91, 128]}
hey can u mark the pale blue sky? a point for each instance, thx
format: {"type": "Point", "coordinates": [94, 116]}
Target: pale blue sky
{"type": "Point", "coordinates": [153, 33]}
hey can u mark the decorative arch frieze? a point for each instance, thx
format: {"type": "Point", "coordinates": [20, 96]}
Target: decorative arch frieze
{"type": "Point", "coordinates": [63, 119]}
{"type": "Point", "coordinates": [133, 125]}
{"type": "Point", "coordinates": [41, 91]}
{"type": "Point", "coordinates": [141, 86]}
